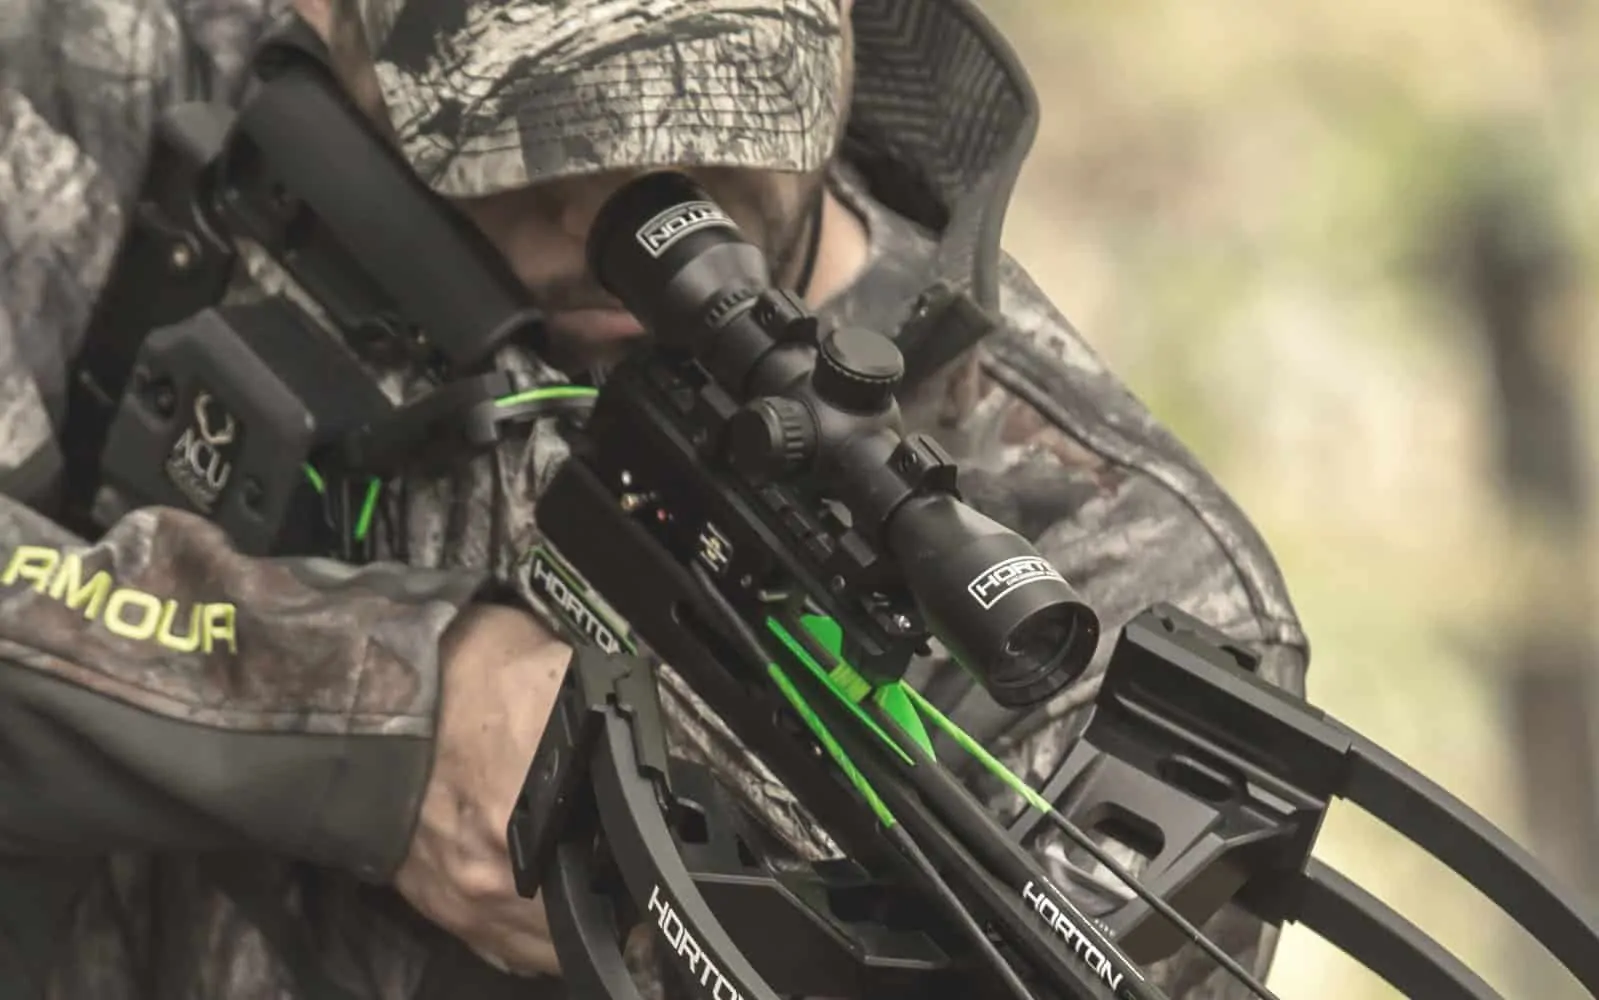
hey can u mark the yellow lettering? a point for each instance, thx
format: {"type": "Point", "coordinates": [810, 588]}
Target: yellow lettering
{"type": "Point", "coordinates": [148, 608]}
{"type": "Point", "coordinates": [131, 614]}
{"type": "Point", "coordinates": [33, 564]}
{"type": "Point", "coordinates": [219, 627]}
{"type": "Point", "coordinates": [68, 586]}
{"type": "Point", "coordinates": [179, 643]}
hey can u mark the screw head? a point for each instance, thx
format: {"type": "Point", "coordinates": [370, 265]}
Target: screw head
{"type": "Point", "coordinates": [181, 256]}
{"type": "Point", "coordinates": [162, 399]}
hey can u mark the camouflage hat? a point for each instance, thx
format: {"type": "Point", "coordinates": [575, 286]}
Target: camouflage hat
{"type": "Point", "coordinates": [489, 95]}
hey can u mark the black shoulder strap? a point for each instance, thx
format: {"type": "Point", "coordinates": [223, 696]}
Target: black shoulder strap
{"type": "Point", "coordinates": [168, 266]}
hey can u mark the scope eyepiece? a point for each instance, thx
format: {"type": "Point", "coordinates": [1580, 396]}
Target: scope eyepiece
{"type": "Point", "coordinates": [1002, 610]}
{"type": "Point", "coordinates": [674, 258]}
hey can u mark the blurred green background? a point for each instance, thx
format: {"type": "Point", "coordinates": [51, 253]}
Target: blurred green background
{"type": "Point", "coordinates": [1346, 250]}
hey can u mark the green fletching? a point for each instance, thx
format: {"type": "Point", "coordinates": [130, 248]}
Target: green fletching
{"type": "Point", "coordinates": [899, 701]}
{"type": "Point", "coordinates": [826, 738]}
{"type": "Point", "coordinates": [897, 705]}
{"type": "Point", "coordinates": [853, 704]}
{"type": "Point", "coordinates": [831, 636]}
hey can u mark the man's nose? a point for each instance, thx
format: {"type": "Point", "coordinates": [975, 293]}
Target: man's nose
{"type": "Point", "coordinates": [584, 198]}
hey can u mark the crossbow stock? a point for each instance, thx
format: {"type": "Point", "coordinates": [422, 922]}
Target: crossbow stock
{"type": "Point", "coordinates": [740, 503]}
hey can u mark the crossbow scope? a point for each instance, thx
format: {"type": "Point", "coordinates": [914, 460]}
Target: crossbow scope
{"type": "Point", "coordinates": [817, 414]}
{"type": "Point", "coordinates": [742, 522]}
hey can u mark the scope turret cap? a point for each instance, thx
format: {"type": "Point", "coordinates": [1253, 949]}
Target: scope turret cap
{"type": "Point", "coordinates": [490, 95]}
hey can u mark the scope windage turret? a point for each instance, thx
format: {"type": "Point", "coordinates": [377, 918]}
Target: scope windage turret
{"type": "Point", "coordinates": [678, 262]}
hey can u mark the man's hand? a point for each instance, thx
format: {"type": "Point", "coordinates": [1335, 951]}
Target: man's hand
{"type": "Point", "coordinates": [501, 673]}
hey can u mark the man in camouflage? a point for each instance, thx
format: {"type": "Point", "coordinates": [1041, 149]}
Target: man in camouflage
{"type": "Point", "coordinates": [316, 808]}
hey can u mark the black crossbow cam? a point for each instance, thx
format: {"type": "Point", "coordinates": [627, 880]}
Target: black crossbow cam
{"type": "Point", "coordinates": [741, 503]}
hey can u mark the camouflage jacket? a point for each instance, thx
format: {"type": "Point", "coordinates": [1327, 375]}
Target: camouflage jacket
{"type": "Point", "coordinates": [298, 734]}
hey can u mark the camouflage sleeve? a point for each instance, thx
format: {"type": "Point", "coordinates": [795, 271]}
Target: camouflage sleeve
{"type": "Point", "coordinates": [1054, 445]}
{"type": "Point", "coordinates": [157, 689]}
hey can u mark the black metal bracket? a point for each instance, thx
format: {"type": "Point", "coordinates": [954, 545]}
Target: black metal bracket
{"type": "Point", "coordinates": [1226, 780]}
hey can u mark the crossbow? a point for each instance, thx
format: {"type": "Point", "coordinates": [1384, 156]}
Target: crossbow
{"type": "Point", "coordinates": [743, 497]}
{"type": "Point", "coordinates": [741, 502]}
